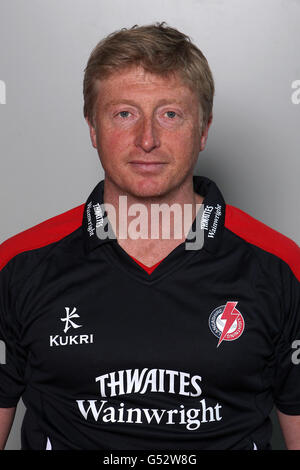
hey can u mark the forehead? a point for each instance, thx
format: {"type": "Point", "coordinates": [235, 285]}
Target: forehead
{"type": "Point", "coordinates": [136, 82]}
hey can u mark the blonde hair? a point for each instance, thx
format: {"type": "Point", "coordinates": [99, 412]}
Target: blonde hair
{"type": "Point", "coordinates": [159, 49]}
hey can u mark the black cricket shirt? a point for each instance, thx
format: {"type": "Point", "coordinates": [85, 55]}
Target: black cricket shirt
{"type": "Point", "coordinates": [190, 355]}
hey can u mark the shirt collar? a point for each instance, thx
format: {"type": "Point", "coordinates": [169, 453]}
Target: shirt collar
{"type": "Point", "coordinates": [212, 220]}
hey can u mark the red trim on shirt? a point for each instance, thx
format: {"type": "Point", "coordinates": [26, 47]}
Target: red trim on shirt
{"type": "Point", "coordinates": [236, 220]}
{"type": "Point", "coordinates": [149, 269]}
{"type": "Point", "coordinates": [263, 236]}
{"type": "Point", "coordinates": [49, 231]}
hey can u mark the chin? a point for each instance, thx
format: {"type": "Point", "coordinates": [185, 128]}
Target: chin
{"type": "Point", "coordinates": [147, 187]}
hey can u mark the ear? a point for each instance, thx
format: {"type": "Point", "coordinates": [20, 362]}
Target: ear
{"type": "Point", "coordinates": [93, 134]}
{"type": "Point", "coordinates": [205, 133]}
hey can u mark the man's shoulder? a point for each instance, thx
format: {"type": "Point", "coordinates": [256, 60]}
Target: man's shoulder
{"type": "Point", "coordinates": [264, 237]}
{"type": "Point", "coordinates": [42, 234]}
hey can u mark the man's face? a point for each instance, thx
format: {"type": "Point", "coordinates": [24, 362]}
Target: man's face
{"type": "Point", "coordinates": [147, 131]}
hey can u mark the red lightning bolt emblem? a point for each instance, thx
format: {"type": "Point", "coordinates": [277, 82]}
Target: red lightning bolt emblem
{"type": "Point", "coordinates": [228, 315]}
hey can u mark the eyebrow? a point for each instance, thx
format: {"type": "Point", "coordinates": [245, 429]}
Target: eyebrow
{"type": "Point", "coordinates": [131, 102]}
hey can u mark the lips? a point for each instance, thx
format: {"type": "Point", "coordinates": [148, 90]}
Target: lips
{"type": "Point", "coordinates": [147, 166]}
{"type": "Point", "coordinates": [147, 162]}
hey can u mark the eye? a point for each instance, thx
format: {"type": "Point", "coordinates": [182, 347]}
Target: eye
{"type": "Point", "coordinates": [171, 114]}
{"type": "Point", "coordinates": [124, 114]}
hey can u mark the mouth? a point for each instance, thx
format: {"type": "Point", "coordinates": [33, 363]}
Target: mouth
{"type": "Point", "coordinates": [147, 166]}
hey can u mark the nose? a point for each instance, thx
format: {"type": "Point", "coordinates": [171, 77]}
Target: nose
{"type": "Point", "coordinates": [147, 136]}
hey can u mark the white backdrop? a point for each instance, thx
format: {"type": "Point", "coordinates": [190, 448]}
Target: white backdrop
{"type": "Point", "coordinates": [47, 163]}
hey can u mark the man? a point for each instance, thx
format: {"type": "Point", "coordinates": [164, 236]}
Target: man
{"type": "Point", "coordinates": [119, 342]}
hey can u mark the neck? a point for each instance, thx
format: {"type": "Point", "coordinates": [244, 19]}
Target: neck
{"type": "Point", "coordinates": [143, 233]}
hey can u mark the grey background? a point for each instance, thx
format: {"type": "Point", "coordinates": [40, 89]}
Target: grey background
{"type": "Point", "coordinates": [47, 163]}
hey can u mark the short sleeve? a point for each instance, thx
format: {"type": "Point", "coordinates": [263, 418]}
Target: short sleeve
{"type": "Point", "coordinates": [12, 356]}
{"type": "Point", "coordinates": [287, 374]}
